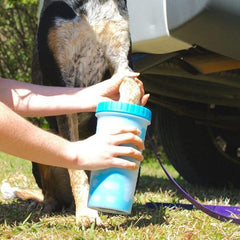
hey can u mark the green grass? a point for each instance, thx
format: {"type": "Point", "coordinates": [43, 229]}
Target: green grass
{"type": "Point", "coordinates": [18, 221]}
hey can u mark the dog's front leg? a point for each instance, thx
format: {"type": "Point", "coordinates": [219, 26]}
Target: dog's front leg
{"type": "Point", "coordinates": [68, 128]}
{"type": "Point", "coordinates": [80, 189]}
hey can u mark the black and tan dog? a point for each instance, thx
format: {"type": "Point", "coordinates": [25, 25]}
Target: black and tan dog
{"type": "Point", "coordinates": [78, 41]}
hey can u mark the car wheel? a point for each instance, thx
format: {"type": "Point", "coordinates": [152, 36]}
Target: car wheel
{"type": "Point", "coordinates": [202, 155]}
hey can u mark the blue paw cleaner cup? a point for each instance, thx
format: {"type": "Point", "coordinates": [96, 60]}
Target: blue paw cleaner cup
{"type": "Point", "coordinates": [112, 190]}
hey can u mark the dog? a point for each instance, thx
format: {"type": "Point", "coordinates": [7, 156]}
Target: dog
{"type": "Point", "coordinates": [79, 43]}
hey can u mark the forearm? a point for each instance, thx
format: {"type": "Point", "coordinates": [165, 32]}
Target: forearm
{"type": "Point", "coordinates": [21, 138]}
{"type": "Point", "coordinates": [35, 100]}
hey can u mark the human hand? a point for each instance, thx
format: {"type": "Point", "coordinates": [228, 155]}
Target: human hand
{"type": "Point", "coordinates": [102, 151]}
{"type": "Point", "coordinates": [112, 85]}
{"type": "Point", "coordinates": [108, 90]}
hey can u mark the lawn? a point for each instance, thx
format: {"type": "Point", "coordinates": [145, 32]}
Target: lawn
{"type": "Point", "coordinates": [19, 221]}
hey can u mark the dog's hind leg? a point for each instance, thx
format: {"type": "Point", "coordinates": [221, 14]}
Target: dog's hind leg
{"type": "Point", "coordinates": [53, 181]}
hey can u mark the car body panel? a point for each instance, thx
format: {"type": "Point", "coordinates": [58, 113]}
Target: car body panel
{"type": "Point", "coordinates": [149, 30]}
{"type": "Point", "coordinates": [163, 26]}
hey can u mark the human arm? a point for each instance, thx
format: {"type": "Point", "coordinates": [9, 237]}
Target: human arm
{"type": "Point", "coordinates": [20, 138]}
{"type": "Point", "coordinates": [31, 100]}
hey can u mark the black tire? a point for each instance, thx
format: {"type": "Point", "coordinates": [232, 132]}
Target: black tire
{"type": "Point", "coordinates": [194, 152]}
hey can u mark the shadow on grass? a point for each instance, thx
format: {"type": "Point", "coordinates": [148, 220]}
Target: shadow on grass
{"type": "Point", "coordinates": [139, 218]}
{"type": "Point", "coordinates": [19, 212]}
{"type": "Point", "coordinates": [155, 184]}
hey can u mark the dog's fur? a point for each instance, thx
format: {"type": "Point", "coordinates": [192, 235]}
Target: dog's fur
{"type": "Point", "coordinates": [78, 41]}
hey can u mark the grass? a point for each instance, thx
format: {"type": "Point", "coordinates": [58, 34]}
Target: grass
{"type": "Point", "coordinates": [18, 221]}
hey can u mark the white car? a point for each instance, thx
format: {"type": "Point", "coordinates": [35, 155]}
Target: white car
{"type": "Point", "coordinates": [188, 54]}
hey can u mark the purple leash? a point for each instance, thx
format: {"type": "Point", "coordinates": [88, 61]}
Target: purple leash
{"type": "Point", "coordinates": [222, 213]}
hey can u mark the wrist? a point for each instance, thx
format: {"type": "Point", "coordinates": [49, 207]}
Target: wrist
{"type": "Point", "coordinates": [72, 156]}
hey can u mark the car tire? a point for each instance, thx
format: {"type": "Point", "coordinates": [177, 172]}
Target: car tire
{"type": "Point", "coordinates": [192, 150]}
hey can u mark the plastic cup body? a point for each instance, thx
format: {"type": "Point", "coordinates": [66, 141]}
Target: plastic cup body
{"type": "Point", "coordinates": [112, 190]}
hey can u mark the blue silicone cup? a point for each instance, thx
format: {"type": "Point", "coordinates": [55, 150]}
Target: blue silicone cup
{"type": "Point", "coordinates": [112, 190]}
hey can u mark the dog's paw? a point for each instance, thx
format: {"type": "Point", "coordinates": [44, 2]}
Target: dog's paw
{"type": "Point", "coordinates": [47, 206]}
{"type": "Point", "coordinates": [129, 91]}
{"type": "Point", "coordinates": [87, 216]}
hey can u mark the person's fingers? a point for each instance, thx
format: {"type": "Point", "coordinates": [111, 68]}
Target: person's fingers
{"type": "Point", "coordinates": [127, 151]}
{"type": "Point", "coordinates": [132, 74]}
{"type": "Point", "coordinates": [133, 130]}
{"type": "Point", "coordinates": [109, 86]}
{"type": "Point", "coordinates": [121, 163]}
{"type": "Point", "coordinates": [128, 138]}
{"type": "Point", "coordinates": [117, 78]}
{"type": "Point", "coordinates": [145, 99]}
